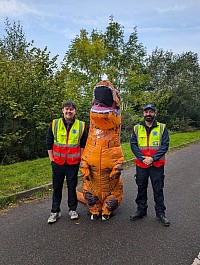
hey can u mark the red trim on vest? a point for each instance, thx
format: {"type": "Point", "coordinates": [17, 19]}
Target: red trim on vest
{"type": "Point", "coordinates": [65, 153]}
{"type": "Point", "coordinates": [157, 163]}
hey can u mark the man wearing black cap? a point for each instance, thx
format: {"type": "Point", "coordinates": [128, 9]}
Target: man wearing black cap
{"type": "Point", "coordinates": [149, 143]}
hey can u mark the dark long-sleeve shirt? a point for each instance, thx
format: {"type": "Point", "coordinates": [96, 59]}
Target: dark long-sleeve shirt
{"type": "Point", "coordinates": [68, 125]}
{"type": "Point", "coordinates": [160, 152]}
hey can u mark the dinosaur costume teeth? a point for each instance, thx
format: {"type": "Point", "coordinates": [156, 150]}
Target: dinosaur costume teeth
{"type": "Point", "coordinates": [102, 159]}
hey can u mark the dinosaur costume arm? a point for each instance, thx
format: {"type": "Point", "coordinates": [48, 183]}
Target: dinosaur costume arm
{"type": "Point", "coordinates": [118, 167]}
{"type": "Point", "coordinates": [85, 169]}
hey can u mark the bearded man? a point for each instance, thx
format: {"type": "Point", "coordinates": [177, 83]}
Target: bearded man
{"type": "Point", "coordinates": [149, 143]}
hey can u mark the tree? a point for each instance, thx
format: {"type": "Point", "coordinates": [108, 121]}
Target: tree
{"type": "Point", "coordinates": [27, 90]}
{"type": "Point", "coordinates": [175, 87]}
{"type": "Point", "coordinates": [184, 101]}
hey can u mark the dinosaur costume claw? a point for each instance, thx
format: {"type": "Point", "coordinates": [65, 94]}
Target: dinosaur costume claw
{"type": "Point", "coordinates": [102, 160]}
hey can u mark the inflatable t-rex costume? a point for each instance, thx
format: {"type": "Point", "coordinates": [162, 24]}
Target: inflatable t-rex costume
{"type": "Point", "coordinates": [102, 159]}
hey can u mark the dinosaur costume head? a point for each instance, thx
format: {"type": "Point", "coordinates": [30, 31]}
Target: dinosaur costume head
{"type": "Point", "coordinates": [105, 112]}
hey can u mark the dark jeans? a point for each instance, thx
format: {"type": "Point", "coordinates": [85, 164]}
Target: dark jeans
{"type": "Point", "coordinates": [59, 173]}
{"type": "Point", "coordinates": [157, 176]}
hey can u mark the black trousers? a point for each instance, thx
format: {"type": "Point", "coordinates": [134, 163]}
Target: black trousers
{"type": "Point", "coordinates": [157, 176]}
{"type": "Point", "coordinates": [58, 176]}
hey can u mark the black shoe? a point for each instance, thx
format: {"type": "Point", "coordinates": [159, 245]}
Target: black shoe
{"type": "Point", "coordinates": [94, 217]}
{"type": "Point", "coordinates": [105, 217]}
{"type": "Point", "coordinates": [137, 215]}
{"type": "Point", "coordinates": [163, 219]}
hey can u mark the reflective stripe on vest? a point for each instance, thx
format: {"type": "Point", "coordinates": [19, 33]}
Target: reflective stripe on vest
{"type": "Point", "coordinates": [66, 147]}
{"type": "Point", "coordinates": [149, 144]}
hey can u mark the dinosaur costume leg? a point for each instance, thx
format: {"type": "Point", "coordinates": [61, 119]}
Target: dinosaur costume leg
{"type": "Point", "coordinates": [113, 201]}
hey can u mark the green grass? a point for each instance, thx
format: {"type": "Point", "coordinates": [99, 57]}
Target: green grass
{"type": "Point", "coordinates": [29, 174]}
{"type": "Point", "coordinates": [183, 138]}
{"type": "Point", "coordinates": [24, 175]}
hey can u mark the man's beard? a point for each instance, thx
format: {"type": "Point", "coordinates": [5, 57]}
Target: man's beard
{"type": "Point", "coordinates": [149, 118]}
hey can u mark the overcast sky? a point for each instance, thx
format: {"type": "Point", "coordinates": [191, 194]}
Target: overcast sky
{"type": "Point", "coordinates": [171, 25]}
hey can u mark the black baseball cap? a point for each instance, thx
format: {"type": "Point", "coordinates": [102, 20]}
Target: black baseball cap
{"type": "Point", "coordinates": [149, 106]}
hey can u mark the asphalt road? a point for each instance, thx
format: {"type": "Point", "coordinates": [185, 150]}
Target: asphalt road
{"type": "Point", "coordinates": [26, 238]}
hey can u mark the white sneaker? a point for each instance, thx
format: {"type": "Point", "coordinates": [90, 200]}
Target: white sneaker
{"type": "Point", "coordinates": [73, 215]}
{"type": "Point", "coordinates": [53, 217]}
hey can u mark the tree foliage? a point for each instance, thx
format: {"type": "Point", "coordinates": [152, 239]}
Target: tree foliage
{"type": "Point", "coordinates": [27, 91]}
{"type": "Point", "coordinates": [175, 87]}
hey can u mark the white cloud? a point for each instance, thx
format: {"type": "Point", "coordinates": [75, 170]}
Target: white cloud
{"type": "Point", "coordinates": [16, 8]}
{"type": "Point", "coordinates": [173, 8]}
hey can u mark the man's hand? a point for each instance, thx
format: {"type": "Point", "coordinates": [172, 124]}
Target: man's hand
{"type": "Point", "coordinates": [148, 160]}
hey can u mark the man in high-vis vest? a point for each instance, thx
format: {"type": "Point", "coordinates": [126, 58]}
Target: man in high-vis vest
{"type": "Point", "coordinates": [149, 143]}
{"type": "Point", "coordinates": [65, 141]}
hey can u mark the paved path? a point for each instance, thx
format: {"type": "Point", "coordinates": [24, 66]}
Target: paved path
{"type": "Point", "coordinates": [27, 239]}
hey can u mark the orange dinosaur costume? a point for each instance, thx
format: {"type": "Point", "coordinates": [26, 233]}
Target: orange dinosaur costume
{"type": "Point", "coordinates": [102, 159]}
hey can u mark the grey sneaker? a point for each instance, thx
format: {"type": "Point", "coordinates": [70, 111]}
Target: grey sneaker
{"type": "Point", "coordinates": [53, 217]}
{"type": "Point", "coordinates": [73, 215]}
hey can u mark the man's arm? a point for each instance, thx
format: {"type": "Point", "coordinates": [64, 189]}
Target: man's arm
{"type": "Point", "coordinates": [162, 150]}
{"type": "Point", "coordinates": [50, 153]}
{"type": "Point", "coordinates": [83, 139]}
{"type": "Point", "coordinates": [49, 142]}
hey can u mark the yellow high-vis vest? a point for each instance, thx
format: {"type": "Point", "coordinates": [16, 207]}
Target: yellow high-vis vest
{"type": "Point", "coordinates": [66, 147]}
{"type": "Point", "coordinates": [149, 144]}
